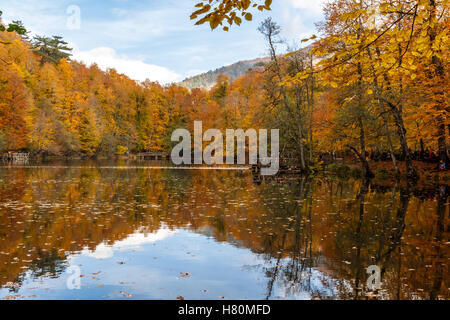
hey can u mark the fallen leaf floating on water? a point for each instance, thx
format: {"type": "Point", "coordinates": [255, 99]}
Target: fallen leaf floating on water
{"type": "Point", "coordinates": [18, 297]}
{"type": "Point", "coordinates": [127, 295]}
{"type": "Point", "coordinates": [180, 298]}
{"type": "Point", "coordinates": [185, 274]}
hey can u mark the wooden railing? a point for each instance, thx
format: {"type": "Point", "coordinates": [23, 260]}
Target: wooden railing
{"type": "Point", "coordinates": [152, 156]}
{"type": "Point", "coordinates": [16, 156]}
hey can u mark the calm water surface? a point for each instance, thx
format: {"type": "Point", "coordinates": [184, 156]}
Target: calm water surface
{"type": "Point", "coordinates": [138, 233]}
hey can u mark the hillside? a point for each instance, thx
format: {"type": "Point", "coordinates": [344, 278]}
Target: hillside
{"type": "Point", "coordinates": [236, 70]}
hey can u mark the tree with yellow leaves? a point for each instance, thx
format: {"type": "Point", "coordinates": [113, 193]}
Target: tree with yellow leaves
{"type": "Point", "coordinates": [218, 12]}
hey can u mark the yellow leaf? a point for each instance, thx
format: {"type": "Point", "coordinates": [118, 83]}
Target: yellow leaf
{"type": "Point", "coordinates": [289, 54]}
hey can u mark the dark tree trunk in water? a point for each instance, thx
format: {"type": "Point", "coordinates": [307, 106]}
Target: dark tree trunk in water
{"type": "Point", "coordinates": [368, 174]}
{"type": "Point", "coordinates": [359, 237]}
{"type": "Point", "coordinates": [442, 144]}
{"type": "Point", "coordinates": [439, 251]}
{"type": "Point", "coordinates": [398, 119]}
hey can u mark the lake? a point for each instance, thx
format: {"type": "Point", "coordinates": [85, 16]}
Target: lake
{"type": "Point", "coordinates": [133, 232]}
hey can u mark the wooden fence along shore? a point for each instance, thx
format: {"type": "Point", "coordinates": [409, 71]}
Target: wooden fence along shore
{"type": "Point", "coordinates": [287, 165]}
{"type": "Point", "coordinates": [152, 156]}
{"type": "Point", "coordinates": [16, 157]}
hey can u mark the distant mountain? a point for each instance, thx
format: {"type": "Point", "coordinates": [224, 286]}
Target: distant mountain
{"type": "Point", "coordinates": [208, 80]}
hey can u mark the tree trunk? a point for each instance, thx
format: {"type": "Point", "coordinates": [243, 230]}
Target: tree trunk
{"type": "Point", "coordinates": [396, 111]}
{"type": "Point", "coordinates": [363, 158]}
{"type": "Point", "coordinates": [398, 119]}
{"type": "Point", "coordinates": [301, 146]}
{"type": "Point", "coordinates": [286, 103]}
{"type": "Point", "coordinates": [437, 77]}
{"type": "Point", "coordinates": [362, 134]}
{"type": "Point", "coordinates": [385, 118]}
{"type": "Point", "coordinates": [311, 109]}
{"type": "Point", "coordinates": [391, 148]}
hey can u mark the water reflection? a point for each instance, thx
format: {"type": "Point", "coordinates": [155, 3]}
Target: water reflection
{"type": "Point", "coordinates": [162, 234]}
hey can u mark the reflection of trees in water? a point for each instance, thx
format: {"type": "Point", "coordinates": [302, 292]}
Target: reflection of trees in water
{"type": "Point", "coordinates": [301, 226]}
{"type": "Point", "coordinates": [439, 246]}
{"type": "Point", "coordinates": [298, 271]}
{"type": "Point", "coordinates": [391, 239]}
{"type": "Point", "coordinates": [294, 275]}
{"type": "Point", "coordinates": [49, 264]}
{"type": "Point", "coordinates": [369, 236]}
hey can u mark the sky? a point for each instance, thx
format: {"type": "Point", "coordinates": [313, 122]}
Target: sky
{"type": "Point", "coordinates": [155, 39]}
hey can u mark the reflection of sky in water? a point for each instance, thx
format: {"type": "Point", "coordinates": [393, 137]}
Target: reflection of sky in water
{"type": "Point", "coordinates": [153, 266]}
{"type": "Point", "coordinates": [225, 229]}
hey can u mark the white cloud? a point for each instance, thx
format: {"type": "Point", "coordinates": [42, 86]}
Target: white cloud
{"type": "Point", "coordinates": [136, 69]}
{"type": "Point", "coordinates": [194, 72]}
{"type": "Point", "coordinates": [134, 242]}
{"type": "Point", "coordinates": [33, 14]}
{"type": "Point", "coordinates": [102, 251]}
{"type": "Point", "coordinates": [313, 6]}
{"type": "Point", "coordinates": [294, 26]}
{"type": "Point", "coordinates": [299, 16]}
{"type": "Point", "coordinates": [137, 26]}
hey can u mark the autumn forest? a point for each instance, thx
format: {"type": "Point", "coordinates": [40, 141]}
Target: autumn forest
{"type": "Point", "coordinates": [374, 79]}
{"type": "Point", "coordinates": [91, 208]}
